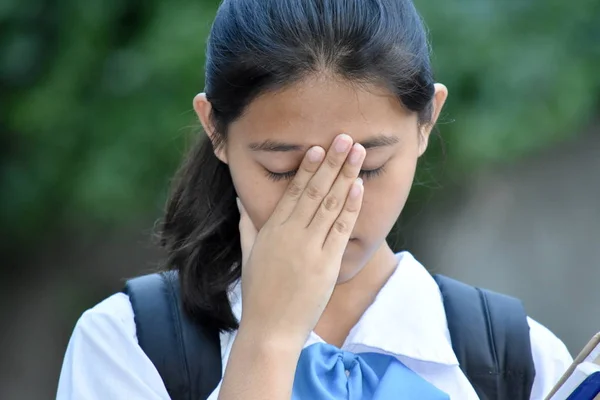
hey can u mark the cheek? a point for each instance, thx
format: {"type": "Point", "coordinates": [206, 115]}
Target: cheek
{"type": "Point", "coordinates": [384, 199]}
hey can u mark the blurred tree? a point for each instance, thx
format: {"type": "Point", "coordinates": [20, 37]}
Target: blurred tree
{"type": "Point", "coordinates": [96, 96]}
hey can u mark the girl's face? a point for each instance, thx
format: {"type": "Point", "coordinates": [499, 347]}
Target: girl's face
{"type": "Point", "coordinates": [266, 144]}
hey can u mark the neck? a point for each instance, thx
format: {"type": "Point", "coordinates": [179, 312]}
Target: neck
{"type": "Point", "coordinates": [351, 299]}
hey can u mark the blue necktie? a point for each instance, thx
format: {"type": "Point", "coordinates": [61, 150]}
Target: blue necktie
{"type": "Point", "coordinates": [325, 372]}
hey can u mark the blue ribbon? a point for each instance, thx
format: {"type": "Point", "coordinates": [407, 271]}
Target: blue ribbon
{"type": "Point", "coordinates": [325, 372]}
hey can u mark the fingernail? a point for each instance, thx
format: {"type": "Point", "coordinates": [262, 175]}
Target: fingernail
{"type": "Point", "coordinates": [356, 188]}
{"type": "Point", "coordinates": [343, 143]}
{"type": "Point", "coordinates": [356, 154]}
{"type": "Point", "coordinates": [315, 154]}
{"type": "Point", "coordinates": [239, 204]}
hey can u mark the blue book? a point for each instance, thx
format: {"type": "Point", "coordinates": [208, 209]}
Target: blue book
{"type": "Point", "coordinates": [588, 389]}
{"type": "Point", "coordinates": [582, 379]}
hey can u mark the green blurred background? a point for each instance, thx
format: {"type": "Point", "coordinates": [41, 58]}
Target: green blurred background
{"type": "Point", "coordinates": [95, 114]}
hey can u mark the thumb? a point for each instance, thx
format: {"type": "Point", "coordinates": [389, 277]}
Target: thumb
{"type": "Point", "coordinates": [247, 232]}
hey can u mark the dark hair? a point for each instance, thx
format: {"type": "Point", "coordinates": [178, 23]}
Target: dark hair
{"type": "Point", "coordinates": [263, 45]}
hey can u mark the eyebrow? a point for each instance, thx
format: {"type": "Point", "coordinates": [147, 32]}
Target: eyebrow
{"type": "Point", "coordinates": [276, 146]}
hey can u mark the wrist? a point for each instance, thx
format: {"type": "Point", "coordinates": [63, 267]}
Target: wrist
{"type": "Point", "coordinates": [271, 341]}
{"type": "Point", "coordinates": [260, 365]}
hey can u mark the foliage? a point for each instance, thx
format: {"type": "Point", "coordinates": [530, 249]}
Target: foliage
{"type": "Point", "coordinates": [96, 95]}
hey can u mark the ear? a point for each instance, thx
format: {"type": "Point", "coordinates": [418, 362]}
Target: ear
{"type": "Point", "coordinates": [439, 98]}
{"type": "Point", "coordinates": [203, 110]}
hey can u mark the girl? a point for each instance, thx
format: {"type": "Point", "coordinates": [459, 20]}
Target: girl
{"type": "Point", "coordinates": [316, 112]}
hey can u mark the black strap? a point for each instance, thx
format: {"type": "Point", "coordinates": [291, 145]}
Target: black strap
{"type": "Point", "coordinates": [186, 355]}
{"type": "Point", "coordinates": [490, 337]}
{"type": "Point", "coordinates": [489, 332]}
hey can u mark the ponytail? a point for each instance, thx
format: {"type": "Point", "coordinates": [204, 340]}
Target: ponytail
{"type": "Point", "coordinates": [201, 236]}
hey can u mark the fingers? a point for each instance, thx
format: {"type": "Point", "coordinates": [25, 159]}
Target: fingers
{"type": "Point", "coordinates": [310, 164]}
{"type": "Point", "coordinates": [320, 184]}
{"type": "Point", "coordinates": [247, 232]}
{"type": "Point", "coordinates": [335, 199]}
{"type": "Point", "coordinates": [340, 231]}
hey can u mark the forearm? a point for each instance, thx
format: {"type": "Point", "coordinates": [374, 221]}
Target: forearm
{"type": "Point", "coordinates": [260, 367]}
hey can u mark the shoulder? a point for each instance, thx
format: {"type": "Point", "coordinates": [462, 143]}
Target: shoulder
{"type": "Point", "coordinates": [550, 356]}
{"type": "Point", "coordinates": [113, 315]}
{"type": "Point", "coordinates": [103, 358]}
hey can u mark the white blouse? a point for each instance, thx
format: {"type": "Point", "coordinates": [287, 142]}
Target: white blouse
{"type": "Point", "coordinates": [406, 320]}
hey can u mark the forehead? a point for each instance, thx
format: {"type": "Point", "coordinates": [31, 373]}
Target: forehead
{"type": "Point", "coordinates": [313, 112]}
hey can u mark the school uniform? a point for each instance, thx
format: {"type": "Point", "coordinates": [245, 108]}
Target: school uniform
{"type": "Point", "coordinates": [402, 336]}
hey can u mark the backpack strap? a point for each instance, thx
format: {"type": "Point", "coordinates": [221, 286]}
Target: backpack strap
{"type": "Point", "coordinates": [490, 336]}
{"type": "Point", "coordinates": [489, 333]}
{"type": "Point", "coordinates": [186, 354]}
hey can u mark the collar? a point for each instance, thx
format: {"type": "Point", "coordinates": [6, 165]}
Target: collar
{"type": "Point", "coordinates": [407, 318]}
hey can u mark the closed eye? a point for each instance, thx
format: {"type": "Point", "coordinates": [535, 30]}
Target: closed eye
{"type": "Point", "coordinates": [364, 174]}
{"type": "Point", "coordinates": [275, 176]}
